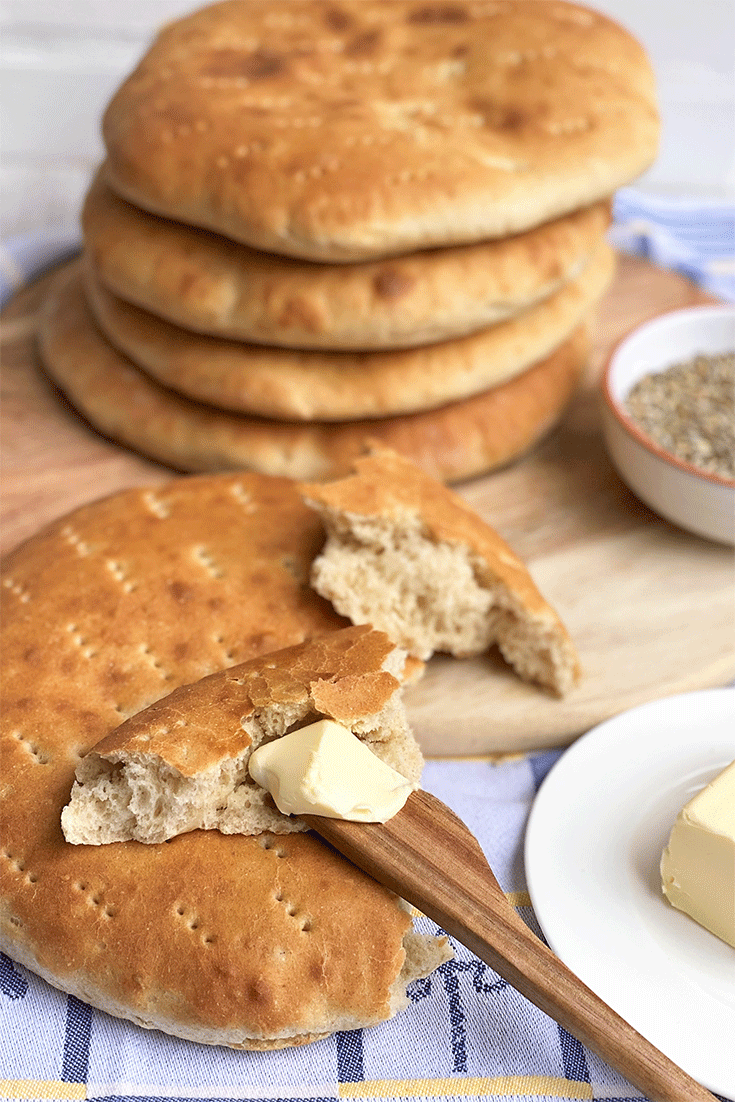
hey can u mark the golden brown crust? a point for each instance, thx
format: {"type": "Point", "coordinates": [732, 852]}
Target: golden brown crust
{"type": "Point", "coordinates": [339, 675]}
{"type": "Point", "coordinates": [213, 285]}
{"type": "Point", "coordinates": [360, 128]}
{"type": "Point", "coordinates": [104, 612]}
{"type": "Point", "coordinates": [457, 441]}
{"type": "Point", "coordinates": [189, 936]}
{"type": "Point", "coordinates": [344, 386]}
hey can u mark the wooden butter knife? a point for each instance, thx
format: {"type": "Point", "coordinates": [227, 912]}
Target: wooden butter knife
{"type": "Point", "coordinates": [428, 856]}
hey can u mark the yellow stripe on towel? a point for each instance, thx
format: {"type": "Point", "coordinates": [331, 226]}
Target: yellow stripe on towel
{"type": "Point", "coordinates": [498, 1087]}
{"type": "Point", "coordinates": [30, 1090]}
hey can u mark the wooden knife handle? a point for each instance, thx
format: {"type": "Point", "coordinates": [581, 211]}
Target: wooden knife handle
{"type": "Point", "coordinates": [429, 857]}
{"type": "Point", "coordinates": [503, 941]}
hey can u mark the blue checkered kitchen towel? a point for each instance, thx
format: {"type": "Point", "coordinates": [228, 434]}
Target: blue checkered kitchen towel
{"type": "Point", "coordinates": [466, 1034]}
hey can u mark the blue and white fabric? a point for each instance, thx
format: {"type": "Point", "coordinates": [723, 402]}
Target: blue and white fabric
{"type": "Point", "coordinates": [694, 237]}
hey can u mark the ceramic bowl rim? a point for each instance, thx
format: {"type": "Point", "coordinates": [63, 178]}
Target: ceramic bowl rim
{"type": "Point", "coordinates": [630, 426]}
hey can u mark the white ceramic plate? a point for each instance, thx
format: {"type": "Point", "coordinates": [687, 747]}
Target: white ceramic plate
{"type": "Point", "coordinates": [593, 846]}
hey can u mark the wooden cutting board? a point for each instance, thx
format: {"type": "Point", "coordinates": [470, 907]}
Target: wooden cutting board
{"type": "Point", "coordinates": [651, 608]}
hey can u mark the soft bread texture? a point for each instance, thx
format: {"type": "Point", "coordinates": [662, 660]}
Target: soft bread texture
{"type": "Point", "coordinates": [223, 939]}
{"type": "Point", "coordinates": [207, 283]}
{"type": "Point", "coordinates": [340, 386]}
{"type": "Point", "coordinates": [408, 556]}
{"type": "Point", "coordinates": [362, 128]}
{"type": "Point", "coordinates": [456, 441]}
{"type": "Point", "coordinates": [182, 764]}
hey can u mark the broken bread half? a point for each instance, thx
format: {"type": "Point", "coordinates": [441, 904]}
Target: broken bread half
{"type": "Point", "coordinates": [182, 763]}
{"type": "Point", "coordinates": [407, 555]}
{"type": "Point", "coordinates": [251, 941]}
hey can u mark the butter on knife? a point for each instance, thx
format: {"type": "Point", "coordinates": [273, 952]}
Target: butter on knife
{"type": "Point", "coordinates": [324, 769]}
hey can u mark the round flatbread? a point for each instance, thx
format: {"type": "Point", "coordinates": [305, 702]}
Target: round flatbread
{"type": "Point", "coordinates": [362, 128]}
{"type": "Point", "coordinates": [222, 939]}
{"type": "Point", "coordinates": [210, 284]}
{"type": "Point", "coordinates": [457, 441]}
{"type": "Point", "coordinates": [341, 386]}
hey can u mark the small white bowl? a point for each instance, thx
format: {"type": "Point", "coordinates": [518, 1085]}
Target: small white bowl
{"type": "Point", "coordinates": [701, 502]}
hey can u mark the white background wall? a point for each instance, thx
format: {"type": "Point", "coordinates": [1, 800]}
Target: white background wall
{"type": "Point", "coordinates": [60, 61]}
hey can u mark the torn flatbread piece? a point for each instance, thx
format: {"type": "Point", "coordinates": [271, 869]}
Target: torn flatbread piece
{"type": "Point", "coordinates": [182, 763]}
{"type": "Point", "coordinates": [409, 556]}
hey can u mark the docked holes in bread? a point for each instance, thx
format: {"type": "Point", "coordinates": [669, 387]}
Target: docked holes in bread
{"type": "Point", "coordinates": [383, 129]}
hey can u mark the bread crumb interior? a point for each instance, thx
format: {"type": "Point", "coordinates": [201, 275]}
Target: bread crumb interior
{"type": "Point", "coordinates": [434, 595]}
{"type": "Point", "coordinates": [425, 595]}
{"type": "Point", "coordinates": [139, 796]}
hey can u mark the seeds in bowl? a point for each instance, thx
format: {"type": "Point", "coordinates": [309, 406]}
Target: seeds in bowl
{"type": "Point", "coordinates": [689, 410]}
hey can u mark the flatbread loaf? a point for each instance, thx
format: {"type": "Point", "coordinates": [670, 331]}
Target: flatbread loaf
{"type": "Point", "coordinates": [341, 386]}
{"type": "Point", "coordinates": [354, 129]}
{"type": "Point", "coordinates": [409, 556]}
{"type": "Point", "coordinates": [208, 283]}
{"type": "Point", "coordinates": [222, 939]}
{"type": "Point", "coordinates": [182, 763]}
{"type": "Point", "coordinates": [459, 440]}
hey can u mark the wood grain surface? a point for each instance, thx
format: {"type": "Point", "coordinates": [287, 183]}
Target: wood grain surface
{"type": "Point", "coordinates": [651, 608]}
{"type": "Point", "coordinates": [429, 857]}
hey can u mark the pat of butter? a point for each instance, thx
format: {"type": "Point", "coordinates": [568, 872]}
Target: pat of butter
{"type": "Point", "coordinates": [324, 769]}
{"type": "Point", "coordinates": [698, 865]}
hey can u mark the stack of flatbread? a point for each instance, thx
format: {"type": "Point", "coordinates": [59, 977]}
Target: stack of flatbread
{"type": "Point", "coordinates": [326, 221]}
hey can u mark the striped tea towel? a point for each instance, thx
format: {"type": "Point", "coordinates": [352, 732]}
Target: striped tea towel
{"type": "Point", "coordinates": [694, 237]}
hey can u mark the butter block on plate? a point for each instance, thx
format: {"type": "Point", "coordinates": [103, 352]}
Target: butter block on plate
{"type": "Point", "coordinates": [698, 865]}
